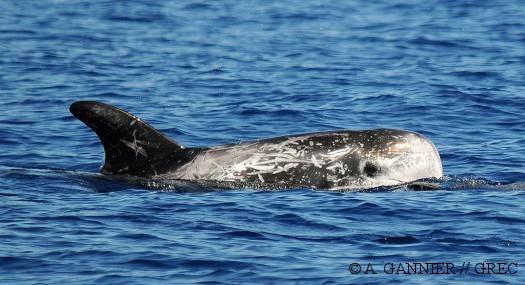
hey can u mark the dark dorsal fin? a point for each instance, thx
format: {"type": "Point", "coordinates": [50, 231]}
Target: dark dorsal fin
{"type": "Point", "coordinates": [132, 146]}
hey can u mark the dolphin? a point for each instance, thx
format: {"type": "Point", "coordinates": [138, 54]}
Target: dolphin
{"type": "Point", "coordinates": [342, 159]}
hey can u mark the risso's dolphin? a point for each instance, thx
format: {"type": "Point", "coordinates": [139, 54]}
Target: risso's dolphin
{"type": "Point", "coordinates": [325, 160]}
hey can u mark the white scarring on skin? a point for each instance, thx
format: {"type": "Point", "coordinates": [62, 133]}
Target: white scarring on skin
{"type": "Point", "coordinates": [302, 155]}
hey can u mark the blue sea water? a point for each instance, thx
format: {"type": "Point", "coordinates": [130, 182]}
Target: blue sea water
{"type": "Point", "coordinates": [217, 72]}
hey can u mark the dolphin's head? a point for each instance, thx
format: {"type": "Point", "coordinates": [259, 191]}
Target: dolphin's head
{"type": "Point", "coordinates": [390, 157]}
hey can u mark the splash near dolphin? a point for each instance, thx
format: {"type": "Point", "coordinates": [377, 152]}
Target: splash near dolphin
{"type": "Point", "coordinates": [325, 160]}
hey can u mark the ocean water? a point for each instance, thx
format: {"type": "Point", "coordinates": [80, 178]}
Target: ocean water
{"type": "Point", "coordinates": [208, 73]}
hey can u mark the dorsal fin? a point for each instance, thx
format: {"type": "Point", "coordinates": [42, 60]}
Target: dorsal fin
{"type": "Point", "coordinates": [132, 146]}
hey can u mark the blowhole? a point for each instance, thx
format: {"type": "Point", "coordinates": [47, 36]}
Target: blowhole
{"type": "Point", "coordinates": [370, 169]}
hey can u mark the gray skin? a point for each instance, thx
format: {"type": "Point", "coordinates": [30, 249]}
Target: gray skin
{"type": "Point", "coordinates": [328, 160]}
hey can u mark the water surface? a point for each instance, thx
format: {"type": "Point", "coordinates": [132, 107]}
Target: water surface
{"type": "Point", "coordinates": [229, 71]}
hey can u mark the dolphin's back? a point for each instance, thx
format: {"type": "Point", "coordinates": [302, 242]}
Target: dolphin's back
{"type": "Point", "coordinates": [132, 146]}
{"type": "Point", "coordinates": [327, 160]}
